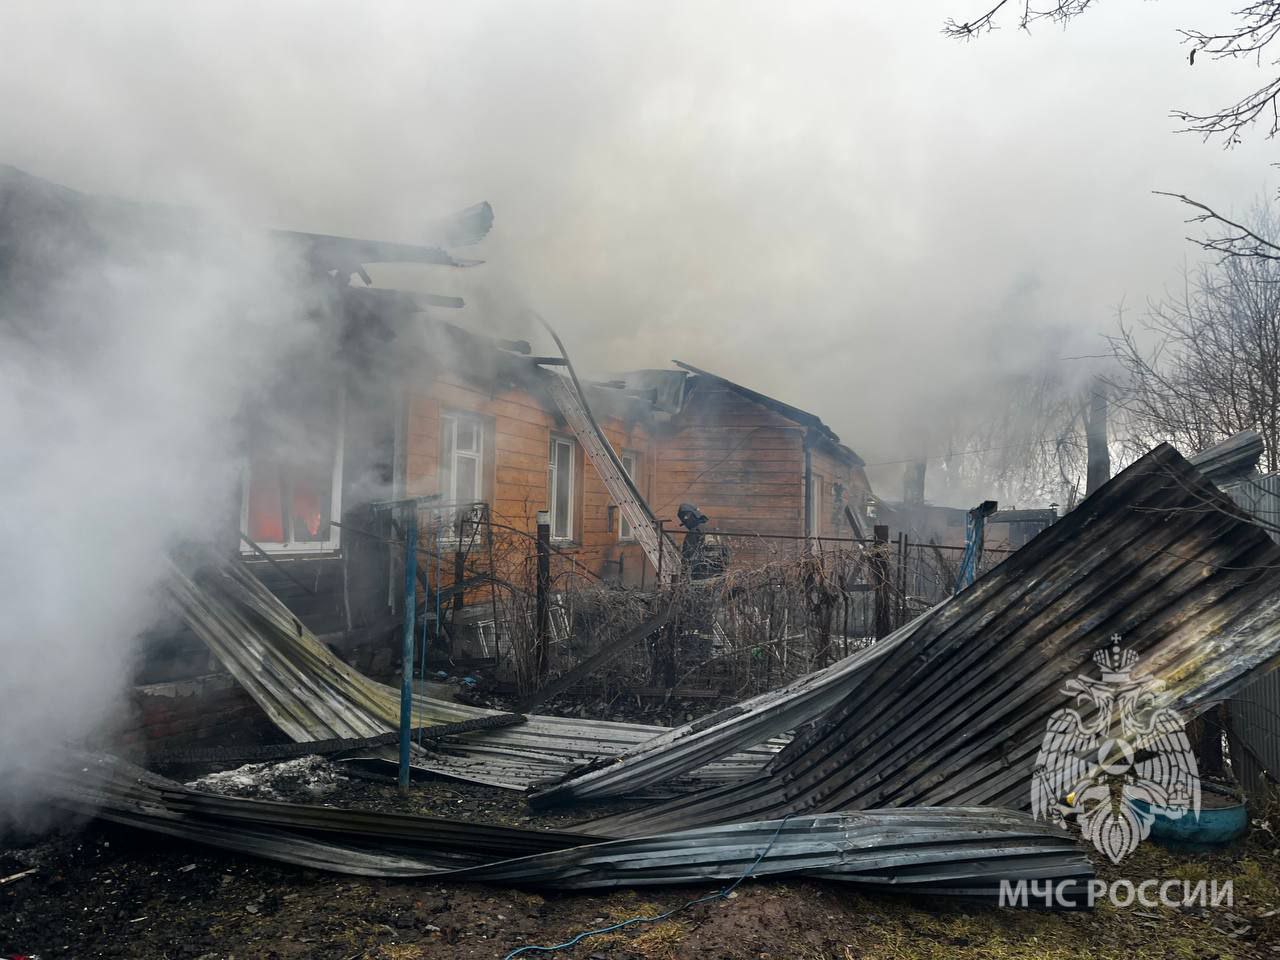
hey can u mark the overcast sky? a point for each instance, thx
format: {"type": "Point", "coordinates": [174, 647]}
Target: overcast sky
{"type": "Point", "coordinates": [826, 200]}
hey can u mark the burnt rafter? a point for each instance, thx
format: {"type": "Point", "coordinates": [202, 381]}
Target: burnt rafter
{"type": "Point", "coordinates": [345, 256]}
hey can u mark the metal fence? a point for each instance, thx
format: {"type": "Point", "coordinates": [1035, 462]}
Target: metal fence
{"type": "Point", "coordinates": [769, 609]}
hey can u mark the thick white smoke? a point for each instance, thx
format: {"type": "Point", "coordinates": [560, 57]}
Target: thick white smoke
{"type": "Point", "coordinates": [131, 344]}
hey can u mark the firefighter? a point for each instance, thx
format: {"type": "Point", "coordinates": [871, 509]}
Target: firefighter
{"type": "Point", "coordinates": [702, 554]}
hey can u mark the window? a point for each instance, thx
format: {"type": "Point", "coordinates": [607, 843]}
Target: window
{"type": "Point", "coordinates": [560, 488]}
{"type": "Point", "coordinates": [292, 481]}
{"type": "Point", "coordinates": [629, 465]}
{"type": "Point", "coordinates": [461, 458]}
{"type": "Point", "coordinates": [816, 506]}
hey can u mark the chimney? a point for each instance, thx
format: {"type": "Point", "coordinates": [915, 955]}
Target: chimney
{"type": "Point", "coordinates": [1095, 432]}
{"type": "Point", "coordinates": [913, 483]}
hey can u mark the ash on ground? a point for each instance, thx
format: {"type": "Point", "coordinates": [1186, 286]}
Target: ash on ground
{"type": "Point", "coordinates": [296, 780]}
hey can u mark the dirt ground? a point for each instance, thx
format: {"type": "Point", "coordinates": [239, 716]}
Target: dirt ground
{"type": "Point", "coordinates": [103, 891]}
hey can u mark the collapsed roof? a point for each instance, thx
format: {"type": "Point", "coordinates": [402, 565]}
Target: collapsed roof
{"type": "Point", "coordinates": [954, 711]}
{"type": "Point", "coordinates": [949, 710]}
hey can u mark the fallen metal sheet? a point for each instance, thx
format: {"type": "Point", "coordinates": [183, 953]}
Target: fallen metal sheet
{"type": "Point", "coordinates": [954, 850]}
{"type": "Point", "coordinates": [310, 694]}
{"type": "Point", "coordinates": [965, 851]}
{"type": "Point", "coordinates": [957, 714]}
{"type": "Point", "coordinates": [361, 842]}
{"type": "Point", "coordinates": [743, 725]}
{"type": "Point", "coordinates": [263, 752]}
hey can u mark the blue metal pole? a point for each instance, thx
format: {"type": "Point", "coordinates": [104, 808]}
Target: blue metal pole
{"type": "Point", "coordinates": [410, 609]}
{"type": "Point", "coordinates": [974, 540]}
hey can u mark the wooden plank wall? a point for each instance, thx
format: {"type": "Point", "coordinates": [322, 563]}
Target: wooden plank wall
{"type": "Point", "coordinates": [843, 484]}
{"type": "Point", "coordinates": [520, 425]}
{"type": "Point", "coordinates": [740, 463]}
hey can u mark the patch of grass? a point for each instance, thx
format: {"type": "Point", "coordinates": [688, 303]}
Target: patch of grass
{"type": "Point", "coordinates": [1257, 883]}
{"type": "Point", "coordinates": [661, 940]}
{"type": "Point", "coordinates": [398, 951]}
{"type": "Point", "coordinates": [629, 905]}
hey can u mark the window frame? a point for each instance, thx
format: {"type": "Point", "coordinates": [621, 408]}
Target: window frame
{"type": "Point", "coordinates": [553, 480]}
{"type": "Point", "coordinates": [332, 543]}
{"type": "Point", "coordinates": [479, 425]}
{"type": "Point", "coordinates": [817, 497]}
{"type": "Point", "coordinates": [625, 533]}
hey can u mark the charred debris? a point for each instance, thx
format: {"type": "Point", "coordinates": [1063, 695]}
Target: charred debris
{"type": "Point", "coordinates": [452, 557]}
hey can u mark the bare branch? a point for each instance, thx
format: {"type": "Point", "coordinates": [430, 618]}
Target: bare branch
{"type": "Point", "coordinates": [1199, 367]}
{"type": "Point", "coordinates": [1239, 242]}
{"type": "Point", "coordinates": [1260, 24]}
{"type": "Point", "coordinates": [1229, 122]}
{"type": "Point", "coordinates": [1257, 25]}
{"type": "Point", "coordinates": [1059, 12]}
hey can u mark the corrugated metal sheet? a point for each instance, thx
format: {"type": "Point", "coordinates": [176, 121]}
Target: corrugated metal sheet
{"type": "Point", "coordinates": [1255, 710]}
{"type": "Point", "coordinates": [1255, 734]}
{"type": "Point", "coordinates": [688, 747]}
{"type": "Point", "coordinates": [369, 843]}
{"type": "Point", "coordinates": [1232, 458]}
{"type": "Point", "coordinates": [956, 715]}
{"type": "Point", "coordinates": [310, 694]}
{"type": "Point", "coordinates": [1260, 495]}
{"type": "Point", "coordinates": [952, 851]}
{"type": "Point", "coordinates": [963, 851]}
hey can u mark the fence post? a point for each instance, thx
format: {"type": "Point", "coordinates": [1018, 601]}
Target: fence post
{"type": "Point", "coordinates": [880, 574]}
{"type": "Point", "coordinates": [543, 633]}
{"type": "Point", "coordinates": [974, 537]}
{"type": "Point", "coordinates": [459, 574]}
{"type": "Point", "coordinates": [406, 651]}
{"type": "Point", "coordinates": [903, 541]}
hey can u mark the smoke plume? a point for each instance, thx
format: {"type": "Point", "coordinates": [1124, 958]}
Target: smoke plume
{"type": "Point", "coordinates": [133, 342]}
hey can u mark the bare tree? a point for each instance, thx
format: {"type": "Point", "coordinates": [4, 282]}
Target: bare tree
{"type": "Point", "coordinates": [1203, 365]}
{"type": "Point", "coordinates": [1023, 442]}
{"type": "Point", "coordinates": [1255, 26]}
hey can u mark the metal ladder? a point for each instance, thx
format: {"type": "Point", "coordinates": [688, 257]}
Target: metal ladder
{"type": "Point", "coordinates": [660, 550]}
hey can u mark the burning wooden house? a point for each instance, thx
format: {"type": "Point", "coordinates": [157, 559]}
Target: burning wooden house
{"type": "Point", "coordinates": [394, 402]}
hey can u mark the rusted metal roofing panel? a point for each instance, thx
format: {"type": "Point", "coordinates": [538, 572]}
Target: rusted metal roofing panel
{"type": "Point", "coordinates": [957, 713]}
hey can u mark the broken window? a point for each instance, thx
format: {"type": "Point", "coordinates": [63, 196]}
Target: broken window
{"type": "Point", "coordinates": [629, 465]}
{"type": "Point", "coordinates": [293, 478]}
{"type": "Point", "coordinates": [560, 488]}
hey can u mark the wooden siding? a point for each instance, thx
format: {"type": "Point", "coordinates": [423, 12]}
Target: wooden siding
{"type": "Point", "coordinates": [741, 464]}
{"type": "Point", "coordinates": [843, 484]}
{"type": "Point", "coordinates": [520, 423]}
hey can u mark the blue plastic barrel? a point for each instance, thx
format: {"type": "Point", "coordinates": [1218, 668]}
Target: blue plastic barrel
{"type": "Point", "coordinates": [1216, 825]}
